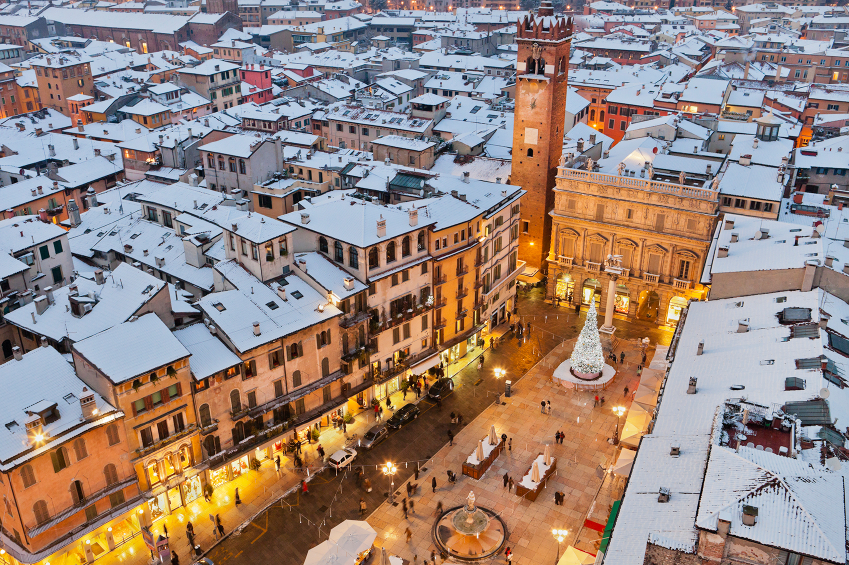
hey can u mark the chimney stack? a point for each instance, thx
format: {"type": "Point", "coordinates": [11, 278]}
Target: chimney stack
{"type": "Point", "coordinates": [88, 404]}
{"type": "Point", "coordinates": [742, 326]}
{"type": "Point", "coordinates": [16, 351]}
{"type": "Point", "coordinates": [98, 277]}
{"type": "Point", "coordinates": [701, 348]}
{"type": "Point", "coordinates": [256, 328]}
{"type": "Point", "coordinates": [414, 217]}
{"type": "Point", "coordinates": [381, 227]}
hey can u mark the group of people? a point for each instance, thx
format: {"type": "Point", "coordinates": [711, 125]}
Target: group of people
{"type": "Point", "coordinates": [558, 437]}
{"type": "Point", "coordinates": [415, 384]}
{"type": "Point", "coordinates": [612, 357]}
{"type": "Point", "coordinates": [508, 482]}
{"type": "Point", "coordinates": [559, 497]}
{"type": "Point", "coordinates": [545, 406]}
{"type": "Point", "coordinates": [194, 547]}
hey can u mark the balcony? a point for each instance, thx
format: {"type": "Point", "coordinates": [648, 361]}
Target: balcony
{"type": "Point", "coordinates": [479, 304]}
{"type": "Point", "coordinates": [462, 293]}
{"type": "Point", "coordinates": [626, 273]}
{"type": "Point", "coordinates": [440, 280]}
{"type": "Point", "coordinates": [188, 430]}
{"type": "Point", "coordinates": [593, 267]}
{"type": "Point", "coordinates": [478, 283]}
{"type": "Point", "coordinates": [684, 191]}
{"type": "Point", "coordinates": [650, 278]}
{"type": "Point", "coordinates": [463, 270]}
{"type": "Point", "coordinates": [461, 314]}
{"type": "Point", "coordinates": [56, 210]}
{"type": "Point", "coordinates": [440, 302]}
{"type": "Point", "coordinates": [566, 261]}
{"type": "Point", "coordinates": [353, 319]}
{"type": "Point", "coordinates": [681, 284]}
{"type": "Point", "coordinates": [479, 262]}
{"type": "Point", "coordinates": [440, 323]}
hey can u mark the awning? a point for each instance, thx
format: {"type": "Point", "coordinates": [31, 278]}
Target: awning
{"type": "Point", "coordinates": [530, 275]}
{"type": "Point", "coordinates": [423, 366]}
{"type": "Point", "coordinates": [574, 556]}
{"type": "Point", "coordinates": [624, 463]}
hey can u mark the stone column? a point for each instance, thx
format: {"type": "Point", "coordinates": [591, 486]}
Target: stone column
{"type": "Point", "coordinates": [608, 327]}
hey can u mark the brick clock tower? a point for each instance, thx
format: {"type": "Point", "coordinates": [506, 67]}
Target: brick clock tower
{"type": "Point", "coordinates": [541, 84]}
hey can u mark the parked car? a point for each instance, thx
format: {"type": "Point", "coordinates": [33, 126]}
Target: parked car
{"type": "Point", "coordinates": [342, 458]}
{"type": "Point", "coordinates": [441, 388]}
{"type": "Point", "coordinates": [404, 415]}
{"type": "Point", "coordinates": [374, 436]}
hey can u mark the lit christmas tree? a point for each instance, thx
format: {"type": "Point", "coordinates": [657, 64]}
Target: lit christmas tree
{"type": "Point", "coordinates": [588, 356]}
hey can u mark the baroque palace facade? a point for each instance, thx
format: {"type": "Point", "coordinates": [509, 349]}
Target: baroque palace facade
{"type": "Point", "coordinates": [661, 230]}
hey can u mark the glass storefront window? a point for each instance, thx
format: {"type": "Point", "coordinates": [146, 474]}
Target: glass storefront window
{"type": "Point", "coordinates": [240, 466]}
{"type": "Point", "coordinates": [192, 489]}
{"type": "Point", "coordinates": [174, 499]}
{"type": "Point", "coordinates": [153, 473]}
{"type": "Point", "coordinates": [158, 507]}
{"type": "Point", "coordinates": [564, 289]}
{"type": "Point", "coordinates": [169, 467]}
{"type": "Point", "coordinates": [676, 305]}
{"type": "Point", "coordinates": [621, 302]}
{"type": "Point", "coordinates": [218, 477]}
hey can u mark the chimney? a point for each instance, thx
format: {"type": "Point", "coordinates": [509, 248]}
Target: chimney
{"type": "Point", "coordinates": [97, 152]}
{"type": "Point", "coordinates": [305, 218]}
{"type": "Point", "coordinates": [41, 305]}
{"type": "Point", "coordinates": [701, 348]}
{"type": "Point", "coordinates": [88, 404]}
{"type": "Point", "coordinates": [745, 160]}
{"type": "Point", "coordinates": [592, 139]}
{"type": "Point", "coordinates": [16, 351]}
{"type": "Point", "coordinates": [41, 189]}
{"type": "Point", "coordinates": [35, 428]}
{"type": "Point", "coordinates": [663, 494]}
{"type": "Point", "coordinates": [707, 168]}
{"type": "Point", "coordinates": [92, 197]}
{"type": "Point", "coordinates": [349, 283]}
{"type": "Point", "coordinates": [42, 215]}
{"type": "Point", "coordinates": [76, 143]}
{"type": "Point", "coordinates": [43, 342]}
{"type": "Point", "coordinates": [750, 515]}
{"type": "Point", "coordinates": [691, 385]}
{"type": "Point", "coordinates": [497, 180]}
{"type": "Point", "coordinates": [48, 292]}
{"type": "Point", "coordinates": [722, 252]}
{"type": "Point", "coordinates": [735, 237]}
{"type": "Point", "coordinates": [729, 224]}
{"type": "Point", "coordinates": [581, 145]}
{"type": "Point", "coordinates": [381, 227]}
{"type": "Point", "coordinates": [755, 143]}
{"type": "Point", "coordinates": [281, 292]}
{"type": "Point", "coordinates": [466, 177]}
{"type": "Point", "coordinates": [742, 326]}
{"type": "Point", "coordinates": [98, 277]}
{"type": "Point", "coordinates": [797, 198]}
{"type": "Point", "coordinates": [675, 450]}
{"type": "Point", "coordinates": [829, 260]}
{"type": "Point", "coordinates": [414, 216]}
{"type": "Point", "coordinates": [256, 328]}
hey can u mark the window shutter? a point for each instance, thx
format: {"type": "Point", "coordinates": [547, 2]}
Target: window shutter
{"type": "Point", "coordinates": [54, 457]}
{"type": "Point", "coordinates": [300, 349]}
{"type": "Point", "coordinates": [270, 361]}
{"type": "Point", "coordinates": [133, 406]}
{"type": "Point", "coordinates": [318, 340]}
{"type": "Point", "coordinates": [179, 389]}
{"type": "Point", "coordinates": [328, 336]}
{"type": "Point", "coordinates": [288, 356]}
{"type": "Point", "coordinates": [148, 403]}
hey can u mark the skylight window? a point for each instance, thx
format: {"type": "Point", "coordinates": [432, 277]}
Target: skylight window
{"type": "Point", "coordinates": [135, 235]}
{"type": "Point", "coordinates": [297, 294]}
{"type": "Point", "coordinates": [272, 305]}
{"type": "Point", "coordinates": [475, 110]}
{"type": "Point", "coordinates": [218, 306]}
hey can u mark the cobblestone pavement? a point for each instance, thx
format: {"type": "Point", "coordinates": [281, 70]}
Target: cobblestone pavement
{"type": "Point", "coordinates": [273, 525]}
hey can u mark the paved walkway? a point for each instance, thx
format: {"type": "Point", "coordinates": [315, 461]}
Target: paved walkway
{"type": "Point", "coordinates": [585, 450]}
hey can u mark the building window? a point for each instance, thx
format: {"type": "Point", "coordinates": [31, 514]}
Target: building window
{"type": "Point", "coordinates": [683, 269]}
{"type": "Point", "coordinates": [339, 254]}
{"type": "Point", "coordinates": [353, 258]}
{"type": "Point", "coordinates": [264, 201]}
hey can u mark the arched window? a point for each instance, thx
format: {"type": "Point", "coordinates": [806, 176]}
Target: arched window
{"type": "Point", "coordinates": [530, 152]}
{"type": "Point", "coordinates": [295, 350]}
{"type": "Point", "coordinates": [296, 379]}
{"type": "Point", "coordinates": [235, 400]}
{"type": "Point", "coordinates": [405, 246]}
{"type": "Point", "coordinates": [353, 258]}
{"type": "Point", "coordinates": [27, 476]}
{"type": "Point", "coordinates": [421, 241]}
{"type": "Point", "coordinates": [111, 474]}
{"type": "Point", "coordinates": [373, 261]}
{"type": "Point", "coordinates": [325, 367]}
{"type": "Point", "coordinates": [592, 115]}
{"type": "Point", "coordinates": [79, 448]}
{"type": "Point", "coordinates": [238, 432]}
{"type": "Point", "coordinates": [338, 253]}
{"type": "Point", "coordinates": [40, 511]}
{"type": "Point", "coordinates": [211, 445]}
{"type": "Point", "coordinates": [322, 245]}
{"type": "Point", "coordinates": [112, 434]}
{"type": "Point", "coordinates": [60, 459]}
{"type": "Point", "coordinates": [390, 251]}
{"type": "Point", "coordinates": [77, 494]}
{"type": "Point", "coordinates": [210, 160]}
{"type": "Point", "coordinates": [205, 416]}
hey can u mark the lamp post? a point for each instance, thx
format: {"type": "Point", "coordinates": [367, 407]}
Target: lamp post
{"type": "Point", "coordinates": [390, 469]}
{"type": "Point", "coordinates": [500, 373]}
{"type": "Point", "coordinates": [619, 411]}
{"type": "Point", "coordinates": [559, 535]}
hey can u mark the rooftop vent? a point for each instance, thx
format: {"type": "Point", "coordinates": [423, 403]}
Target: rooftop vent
{"type": "Point", "coordinates": [675, 450]}
{"type": "Point", "coordinates": [742, 326]}
{"type": "Point", "coordinates": [256, 328]}
{"type": "Point", "coordinates": [305, 218]}
{"type": "Point", "coordinates": [691, 387]}
{"type": "Point", "coordinates": [701, 348]}
{"type": "Point", "coordinates": [663, 495]}
{"type": "Point", "coordinates": [750, 515]}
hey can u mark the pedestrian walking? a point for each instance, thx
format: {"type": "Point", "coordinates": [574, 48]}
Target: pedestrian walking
{"type": "Point", "coordinates": [362, 507]}
{"type": "Point", "coordinates": [557, 437]}
{"type": "Point", "coordinates": [219, 526]}
{"type": "Point", "coordinates": [214, 529]}
{"type": "Point", "coordinates": [305, 489]}
{"type": "Point", "coordinates": [459, 419]}
{"type": "Point", "coordinates": [621, 357]}
{"type": "Point", "coordinates": [344, 427]}
{"type": "Point", "coordinates": [509, 555]}
{"type": "Point", "coordinates": [510, 485]}
{"type": "Point", "coordinates": [510, 444]}
{"type": "Point", "coordinates": [548, 406]}
{"type": "Point", "coordinates": [320, 451]}
{"type": "Point", "coordinates": [367, 484]}
{"type": "Point", "coordinates": [412, 506]}
{"type": "Point", "coordinates": [376, 410]}
{"type": "Point", "coordinates": [595, 402]}
{"type": "Point", "coordinates": [165, 528]}
{"type": "Point", "coordinates": [506, 479]}
{"type": "Point", "coordinates": [174, 559]}
{"type": "Point", "coordinates": [190, 528]}
{"type": "Point", "coordinates": [508, 317]}
{"type": "Point", "coordinates": [404, 393]}
{"type": "Point", "coordinates": [503, 439]}
{"type": "Point", "coordinates": [404, 506]}
{"type": "Point", "coordinates": [408, 533]}
{"type": "Point", "coordinates": [409, 489]}
{"type": "Point", "coordinates": [433, 484]}
{"type": "Point", "coordinates": [433, 557]}
{"type": "Point", "coordinates": [639, 371]}
{"type": "Point", "coordinates": [238, 500]}
{"type": "Point", "coordinates": [381, 411]}
{"type": "Point", "coordinates": [644, 358]}
{"type": "Point", "coordinates": [277, 466]}
{"type": "Point", "coordinates": [529, 329]}
{"type": "Point", "coordinates": [439, 507]}
{"type": "Point", "coordinates": [191, 537]}
{"type": "Point", "coordinates": [626, 391]}
{"type": "Point", "coordinates": [416, 472]}
{"type": "Point", "coordinates": [542, 407]}
{"type": "Point", "coordinates": [450, 437]}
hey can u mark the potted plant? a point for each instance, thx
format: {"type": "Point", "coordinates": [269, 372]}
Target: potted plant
{"type": "Point", "coordinates": [172, 372]}
{"type": "Point", "coordinates": [255, 464]}
{"type": "Point", "coordinates": [347, 418]}
{"type": "Point", "coordinates": [315, 434]}
{"type": "Point", "coordinates": [207, 490]}
{"type": "Point", "coordinates": [136, 385]}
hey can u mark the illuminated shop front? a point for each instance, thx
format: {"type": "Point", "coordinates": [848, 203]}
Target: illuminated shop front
{"type": "Point", "coordinates": [621, 300]}
{"type": "Point", "coordinates": [564, 288]}
{"type": "Point", "coordinates": [676, 305]}
{"type": "Point", "coordinates": [591, 291]}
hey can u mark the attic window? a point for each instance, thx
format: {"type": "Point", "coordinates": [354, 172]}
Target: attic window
{"type": "Point", "coordinates": [272, 305]}
{"type": "Point", "coordinates": [839, 343]}
{"type": "Point", "coordinates": [794, 315]}
{"type": "Point", "coordinates": [218, 306]}
{"type": "Point", "coordinates": [795, 230]}
{"type": "Point", "coordinates": [794, 383]}
{"type": "Point", "coordinates": [475, 110]}
{"type": "Point", "coordinates": [738, 304]}
{"type": "Point", "coordinates": [70, 398]}
{"type": "Point", "coordinates": [135, 235]}
{"type": "Point", "coordinates": [297, 294]}
{"type": "Point", "coordinates": [12, 424]}
{"type": "Point", "coordinates": [202, 206]}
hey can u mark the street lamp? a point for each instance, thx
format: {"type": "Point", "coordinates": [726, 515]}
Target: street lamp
{"type": "Point", "coordinates": [619, 411]}
{"type": "Point", "coordinates": [500, 373]}
{"type": "Point", "coordinates": [559, 535]}
{"type": "Point", "coordinates": [390, 469]}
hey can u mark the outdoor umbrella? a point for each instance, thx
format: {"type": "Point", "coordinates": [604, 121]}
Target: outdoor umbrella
{"type": "Point", "coordinates": [635, 425]}
{"type": "Point", "coordinates": [353, 536]}
{"type": "Point", "coordinates": [328, 553]}
{"type": "Point", "coordinates": [645, 395]}
{"type": "Point", "coordinates": [652, 378]}
{"type": "Point", "coordinates": [535, 472]}
{"type": "Point", "coordinates": [384, 560]}
{"type": "Point", "coordinates": [479, 451]}
{"type": "Point", "coordinates": [493, 437]}
{"type": "Point", "coordinates": [547, 455]}
{"type": "Point", "coordinates": [624, 463]}
{"type": "Point", "coordinates": [573, 556]}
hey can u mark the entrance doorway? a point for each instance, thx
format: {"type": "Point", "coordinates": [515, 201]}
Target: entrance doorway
{"type": "Point", "coordinates": [564, 288]}
{"type": "Point", "coordinates": [648, 305]}
{"type": "Point", "coordinates": [591, 291]}
{"type": "Point", "coordinates": [673, 314]}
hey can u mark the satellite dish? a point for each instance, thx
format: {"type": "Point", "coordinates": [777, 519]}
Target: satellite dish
{"type": "Point", "coordinates": [824, 393]}
{"type": "Point", "coordinates": [833, 464]}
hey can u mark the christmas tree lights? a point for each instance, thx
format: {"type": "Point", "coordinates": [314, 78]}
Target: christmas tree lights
{"type": "Point", "coordinates": [588, 356]}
